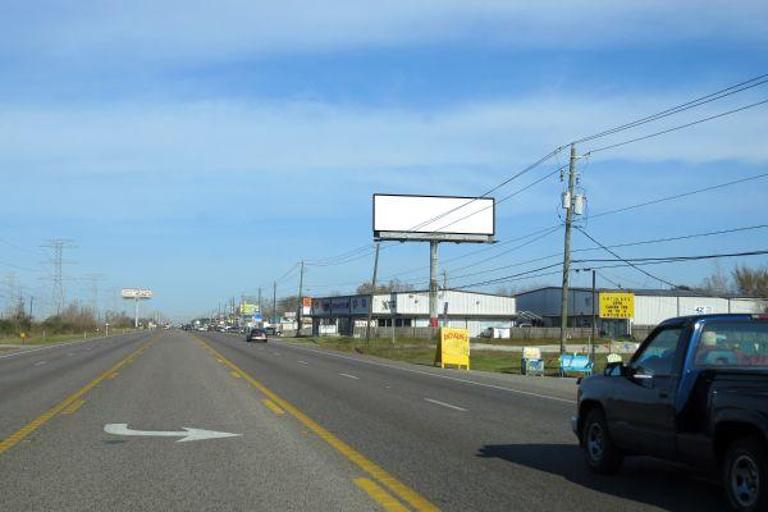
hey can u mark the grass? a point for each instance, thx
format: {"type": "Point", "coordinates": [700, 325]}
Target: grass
{"type": "Point", "coordinates": [422, 352]}
{"type": "Point", "coordinates": [39, 339]}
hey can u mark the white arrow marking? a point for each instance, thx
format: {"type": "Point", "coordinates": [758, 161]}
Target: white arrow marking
{"type": "Point", "coordinates": [189, 434]}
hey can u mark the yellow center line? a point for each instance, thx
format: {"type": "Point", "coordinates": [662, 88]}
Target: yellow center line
{"type": "Point", "coordinates": [235, 374]}
{"type": "Point", "coordinates": [379, 495]}
{"type": "Point", "coordinates": [41, 420]}
{"type": "Point", "coordinates": [401, 490]}
{"type": "Point", "coordinates": [272, 406]}
{"type": "Point", "coordinates": [73, 407]}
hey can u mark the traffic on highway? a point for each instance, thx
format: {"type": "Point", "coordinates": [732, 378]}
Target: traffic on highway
{"type": "Point", "coordinates": [384, 256]}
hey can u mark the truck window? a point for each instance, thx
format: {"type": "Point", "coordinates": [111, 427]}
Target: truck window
{"type": "Point", "coordinates": [659, 355]}
{"type": "Point", "coordinates": [733, 345]}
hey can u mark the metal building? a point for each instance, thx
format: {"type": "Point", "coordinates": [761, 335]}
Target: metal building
{"type": "Point", "coordinates": [651, 307]}
{"type": "Point", "coordinates": [468, 310]}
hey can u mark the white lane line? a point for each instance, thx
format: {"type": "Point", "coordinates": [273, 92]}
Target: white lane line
{"type": "Point", "coordinates": [349, 376]}
{"type": "Point", "coordinates": [70, 354]}
{"type": "Point", "coordinates": [41, 363]}
{"type": "Point", "coordinates": [60, 345]}
{"type": "Point", "coordinates": [446, 377]}
{"type": "Point", "coordinates": [276, 353]}
{"type": "Point", "coordinates": [303, 362]}
{"type": "Point", "coordinates": [450, 406]}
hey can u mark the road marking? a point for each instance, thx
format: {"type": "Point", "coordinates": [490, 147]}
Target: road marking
{"type": "Point", "coordinates": [276, 353]}
{"type": "Point", "coordinates": [379, 495]}
{"type": "Point", "coordinates": [113, 376]}
{"type": "Point", "coordinates": [188, 434]}
{"type": "Point", "coordinates": [40, 363]}
{"type": "Point", "coordinates": [349, 376]}
{"type": "Point", "coordinates": [272, 406]}
{"type": "Point", "coordinates": [401, 490]}
{"type": "Point", "coordinates": [70, 354]}
{"type": "Point", "coordinates": [438, 376]}
{"type": "Point", "coordinates": [444, 404]}
{"type": "Point", "coordinates": [73, 407]}
{"type": "Point", "coordinates": [235, 375]}
{"type": "Point", "coordinates": [44, 418]}
{"type": "Point", "coordinates": [304, 363]}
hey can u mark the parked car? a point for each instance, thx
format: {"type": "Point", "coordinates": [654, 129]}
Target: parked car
{"type": "Point", "coordinates": [272, 331]}
{"type": "Point", "coordinates": [696, 392]}
{"type": "Point", "coordinates": [257, 335]}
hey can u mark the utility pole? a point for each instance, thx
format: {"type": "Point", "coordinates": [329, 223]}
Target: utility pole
{"type": "Point", "coordinates": [31, 302]}
{"type": "Point", "coordinates": [592, 338]}
{"type": "Point", "coordinates": [301, 305]}
{"type": "Point", "coordinates": [433, 320]}
{"type": "Point", "coordinates": [261, 312]}
{"type": "Point", "coordinates": [445, 280]}
{"type": "Point", "coordinates": [274, 302]}
{"type": "Point", "coordinates": [373, 294]}
{"type": "Point", "coordinates": [568, 205]}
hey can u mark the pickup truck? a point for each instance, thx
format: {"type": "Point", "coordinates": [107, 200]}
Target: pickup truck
{"type": "Point", "coordinates": [695, 392]}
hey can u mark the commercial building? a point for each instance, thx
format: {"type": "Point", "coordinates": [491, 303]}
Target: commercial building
{"type": "Point", "coordinates": [651, 307]}
{"type": "Point", "coordinates": [468, 310]}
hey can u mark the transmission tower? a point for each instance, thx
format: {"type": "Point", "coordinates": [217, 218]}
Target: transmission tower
{"type": "Point", "coordinates": [57, 246]}
{"type": "Point", "coordinates": [94, 280]}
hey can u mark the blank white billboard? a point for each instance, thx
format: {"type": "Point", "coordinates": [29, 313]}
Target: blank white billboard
{"type": "Point", "coordinates": [409, 217]}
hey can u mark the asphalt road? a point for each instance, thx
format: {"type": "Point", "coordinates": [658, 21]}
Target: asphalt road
{"type": "Point", "coordinates": [313, 430]}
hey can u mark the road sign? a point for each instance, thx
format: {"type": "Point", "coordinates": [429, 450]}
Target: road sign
{"type": "Point", "coordinates": [453, 347]}
{"type": "Point", "coordinates": [188, 434]}
{"type": "Point", "coordinates": [617, 305]}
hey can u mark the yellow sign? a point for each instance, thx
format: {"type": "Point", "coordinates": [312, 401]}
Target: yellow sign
{"type": "Point", "coordinates": [453, 347]}
{"type": "Point", "coordinates": [248, 309]}
{"type": "Point", "coordinates": [617, 305]}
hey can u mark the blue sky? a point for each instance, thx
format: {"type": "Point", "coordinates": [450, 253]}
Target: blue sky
{"type": "Point", "coordinates": [202, 149]}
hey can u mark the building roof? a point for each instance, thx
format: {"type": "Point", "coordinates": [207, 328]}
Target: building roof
{"type": "Point", "coordinates": [440, 290]}
{"type": "Point", "coordinates": [651, 292]}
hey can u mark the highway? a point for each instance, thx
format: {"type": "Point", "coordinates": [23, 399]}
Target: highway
{"type": "Point", "coordinates": [100, 426]}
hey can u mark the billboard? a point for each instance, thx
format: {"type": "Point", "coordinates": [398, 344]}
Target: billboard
{"type": "Point", "coordinates": [136, 293]}
{"type": "Point", "coordinates": [248, 309]}
{"type": "Point", "coordinates": [306, 306]}
{"type": "Point", "coordinates": [617, 305]}
{"type": "Point", "coordinates": [450, 218]}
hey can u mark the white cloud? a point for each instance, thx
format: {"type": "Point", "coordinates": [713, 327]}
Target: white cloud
{"type": "Point", "coordinates": [194, 30]}
{"type": "Point", "coordinates": [305, 137]}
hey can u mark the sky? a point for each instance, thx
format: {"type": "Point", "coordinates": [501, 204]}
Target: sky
{"type": "Point", "coordinates": [201, 149]}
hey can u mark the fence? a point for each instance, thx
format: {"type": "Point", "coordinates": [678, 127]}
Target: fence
{"type": "Point", "coordinates": [516, 333]}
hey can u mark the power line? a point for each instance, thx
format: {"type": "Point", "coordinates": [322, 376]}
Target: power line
{"type": "Point", "coordinates": [610, 251]}
{"type": "Point", "coordinates": [676, 128]}
{"type": "Point", "coordinates": [717, 95]}
{"type": "Point", "coordinates": [679, 196]}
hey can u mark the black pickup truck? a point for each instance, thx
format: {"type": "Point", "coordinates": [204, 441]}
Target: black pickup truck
{"type": "Point", "coordinates": [696, 392]}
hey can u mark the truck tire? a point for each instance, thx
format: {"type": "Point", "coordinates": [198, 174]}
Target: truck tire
{"type": "Point", "coordinates": [601, 454]}
{"type": "Point", "coordinates": [745, 475]}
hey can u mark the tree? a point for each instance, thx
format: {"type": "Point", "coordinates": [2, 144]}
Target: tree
{"type": "Point", "coordinates": [394, 285]}
{"type": "Point", "coordinates": [717, 283]}
{"type": "Point", "coordinates": [751, 281]}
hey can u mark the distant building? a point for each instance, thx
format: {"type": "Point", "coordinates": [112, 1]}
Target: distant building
{"type": "Point", "coordinates": [468, 310]}
{"type": "Point", "coordinates": [651, 307]}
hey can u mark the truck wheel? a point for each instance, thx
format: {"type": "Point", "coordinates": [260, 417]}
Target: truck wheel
{"type": "Point", "coordinates": [745, 475]}
{"type": "Point", "coordinates": [601, 454]}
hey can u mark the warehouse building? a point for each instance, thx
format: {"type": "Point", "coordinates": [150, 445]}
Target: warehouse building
{"type": "Point", "coordinates": [474, 311]}
{"type": "Point", "coordinates": [651, 307]}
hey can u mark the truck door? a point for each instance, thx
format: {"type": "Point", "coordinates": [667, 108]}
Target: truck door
{"type": "Point", "coordinates": [643, 416]}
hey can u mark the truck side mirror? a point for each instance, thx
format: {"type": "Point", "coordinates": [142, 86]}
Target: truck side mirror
{"type": "Point", "coordinates": [616, 369]}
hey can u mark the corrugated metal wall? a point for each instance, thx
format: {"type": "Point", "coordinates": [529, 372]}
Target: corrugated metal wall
{"type": "Point", "coordinates": [459, 303]}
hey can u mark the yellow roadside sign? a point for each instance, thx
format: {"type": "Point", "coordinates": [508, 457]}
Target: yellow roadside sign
{"type": "Point", "coordinates": [453, 347]}
{"type": "Point", "coordinates": [617, 305]}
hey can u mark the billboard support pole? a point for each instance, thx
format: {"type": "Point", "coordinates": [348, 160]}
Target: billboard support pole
{"type": "Point", "coordinates": [593, 338]}
{"type": "Point", "coordinates": [373, 292]}
{"type": "Point", "coordinates": [136, 314]}
{"type": "Point", "coordinates": [301, 302]}
{"type": "Point", "coordinates": [433, 320]}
